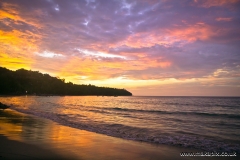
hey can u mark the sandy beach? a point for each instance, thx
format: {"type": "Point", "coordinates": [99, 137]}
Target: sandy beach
{"type": "Point", "coordinates": [24, 136]}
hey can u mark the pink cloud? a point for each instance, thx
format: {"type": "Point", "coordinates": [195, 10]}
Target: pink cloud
{"type": "Point", "coordinates": [212, 3]}
{"type": "Point", "coordinates": [226, 19]}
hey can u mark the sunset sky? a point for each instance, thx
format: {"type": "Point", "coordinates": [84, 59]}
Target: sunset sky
{"type": "Point", "coordinates": [149, 47]}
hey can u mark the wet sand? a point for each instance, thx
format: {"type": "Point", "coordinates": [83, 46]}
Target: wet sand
{"type": "Point", "coordinates": [11, 149]}
{"type": "Point", "coordinates": [24, 136]}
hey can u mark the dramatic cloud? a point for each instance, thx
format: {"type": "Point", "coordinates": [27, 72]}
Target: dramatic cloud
{"type": "Point", "coordinates": [146, 46]}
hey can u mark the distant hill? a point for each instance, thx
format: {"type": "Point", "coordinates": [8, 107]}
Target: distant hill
{"type": "Point", "coordinates": [22, 82]}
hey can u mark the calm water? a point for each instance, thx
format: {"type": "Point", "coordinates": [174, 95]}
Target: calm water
{"type": "Point", "coordinates": [207, 123]}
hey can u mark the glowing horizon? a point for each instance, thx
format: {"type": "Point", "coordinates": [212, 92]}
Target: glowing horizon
{"type": "Point", "coordinates": [148, 47]}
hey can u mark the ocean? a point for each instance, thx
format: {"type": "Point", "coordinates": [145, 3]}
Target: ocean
{"type": "Point", "coordinates": [207, 123]}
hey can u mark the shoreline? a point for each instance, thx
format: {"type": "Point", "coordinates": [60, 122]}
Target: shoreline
{"type": "Point", "coordinates": [61, 142]}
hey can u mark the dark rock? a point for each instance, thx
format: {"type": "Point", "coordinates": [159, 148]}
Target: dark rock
{"type": "Point", "coordinates": [3, 106]}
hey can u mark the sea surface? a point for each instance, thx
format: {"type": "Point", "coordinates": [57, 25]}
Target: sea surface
{"type": "Point", "coordinates": [206, 123]}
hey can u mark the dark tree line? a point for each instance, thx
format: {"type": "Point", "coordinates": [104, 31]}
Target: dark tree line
{"type": "Point", "coordinates": [21, 82]}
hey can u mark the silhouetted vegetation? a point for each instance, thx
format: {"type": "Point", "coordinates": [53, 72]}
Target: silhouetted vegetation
{"type": "Point", "coordinates": [21, 82]}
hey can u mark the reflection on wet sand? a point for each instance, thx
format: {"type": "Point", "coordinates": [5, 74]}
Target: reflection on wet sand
{"type": "Point", "coordinates": [78, 143]}
{"type": "Point", "coordinates": [20, 126]}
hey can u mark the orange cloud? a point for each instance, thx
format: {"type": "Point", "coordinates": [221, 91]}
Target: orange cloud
{"type": "Point", "coordinates": [14, 63]}
{"type": "Point", "coordinates": [17, 38]}
{"type": "Point", "coordinates": [76, 68]}
{"type": "Point", "coordinates": [16, 49]}
{"type": "Point", "coordinates": [12, 12]}
{"type": "Point", "coordinates": [16, 46]}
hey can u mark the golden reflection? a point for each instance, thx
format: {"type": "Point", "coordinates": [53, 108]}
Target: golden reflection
{"type": "Point", "coordinates": [43, 132]}
{"type": "Point", "coordinates": [22, 102]}
{"type": "Point", "coordinates": [75, 142]}
{"type": "Point", "coordinates": [9, 125]}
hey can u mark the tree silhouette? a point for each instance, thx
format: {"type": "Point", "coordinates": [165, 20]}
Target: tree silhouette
{"type": "Point", "coordinates": [21, 82]}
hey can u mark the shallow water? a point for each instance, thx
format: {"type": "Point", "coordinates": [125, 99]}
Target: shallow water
{"type": "Point", "coordinates": [206, 123]}
{"type": "Point", "coordinates": [70, 143]}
